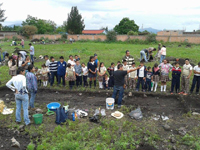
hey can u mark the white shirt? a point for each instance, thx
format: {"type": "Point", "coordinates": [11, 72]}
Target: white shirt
{"type": "Point", "coordinates": [141, 72]}
{"type": "Point", "coordinates": [32, 52]}
{"type": "Point", "coordinates": [115, 69]}
{"type": "Point", "coordinates": [19, 83]}
{"type": "Point", "coordinates": [23, 53]}
{"type": "Point", "coordinates": [197, 69]}
{"type": "Point", "coordinates": [47, 63]}
{"type": "Point", "coordinates": [20, 63]}
{"type": "Point", "coordinates": [72, 62]}
{"type": "Point", "coordinates": [70, 68]}
{"type": "Point", "coordinates": [85, 71]}
{"type": "Point", "coordinates": [102, 69]}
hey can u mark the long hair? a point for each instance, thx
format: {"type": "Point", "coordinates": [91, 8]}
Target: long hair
{"type": "Point", "coordinates": [91, 57]}
{"type": "Point", "coordinates": [100, 66]}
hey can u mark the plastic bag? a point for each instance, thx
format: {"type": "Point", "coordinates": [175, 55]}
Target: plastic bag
{"type": "Point", "coordinates": [136, 114]}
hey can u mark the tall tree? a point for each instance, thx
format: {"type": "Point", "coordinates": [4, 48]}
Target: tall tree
{"type": "Point", "coordinates": [126, 25]}
{"type": "Point", "coordinates": [29, 30]}
{"type": "Point", "coordinates": [74, 23]}
{"type": "Point", "coordinates": [2, 14]}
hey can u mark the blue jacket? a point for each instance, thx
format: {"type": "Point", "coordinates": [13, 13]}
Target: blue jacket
{"type": "Point", "coordinates": [61, 68]}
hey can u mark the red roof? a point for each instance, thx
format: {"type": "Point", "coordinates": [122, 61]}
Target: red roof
{"type": "Point", "coordinates": [92, 31]}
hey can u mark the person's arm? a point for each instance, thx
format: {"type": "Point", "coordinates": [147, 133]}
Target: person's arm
{"type": "Point", "coordinates": [190, 74]}
{"type": "Point", "coordinates": [9, 85]}
{"type": "Point", "coordinates": [74, 74]}
{"type": "Point", "coordinates": [66, 74]}
{"type": "Point", "coordinates": [145, 73]}
{"type": "Point", "coordinates": [34, 82]}
{"type": "Point", "coordinates": [131, 70]}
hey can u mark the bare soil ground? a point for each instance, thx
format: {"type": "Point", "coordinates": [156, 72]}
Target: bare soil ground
{"type": "Point", "coordinates": [173, 106]}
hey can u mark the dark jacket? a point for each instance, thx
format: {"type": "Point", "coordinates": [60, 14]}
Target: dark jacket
{"type": "Point", "coordinates": [176, 73]}
{"type": "Point", "coordinates": [110, 71]}
{"type": "Point", "coordinates": [145, 71]}
{"type": "Point", "coordinates": [156, 73]}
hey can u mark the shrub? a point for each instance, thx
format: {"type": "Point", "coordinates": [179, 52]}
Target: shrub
{"type": "Point", "coordinates": [132, 33]}
{"type": "Point", "coordinates": [64, 36]}
{"type": "Point", "coordinates": [14, 38]}
{"type": "Point", "coordinates": [151, 38]}
{"type": "Point", "coordinates": [29, 30]}
{"type": "Point", "coordinates": [111, 36]}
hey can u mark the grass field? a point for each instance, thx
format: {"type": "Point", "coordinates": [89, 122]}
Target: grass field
{"type": "Point", "coordinates": [110, 133]}
{"type": "Point", "coordinates": [107, 52]}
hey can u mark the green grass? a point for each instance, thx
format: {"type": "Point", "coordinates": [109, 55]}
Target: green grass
{"type": "Point", "coordinates": [107, 52]}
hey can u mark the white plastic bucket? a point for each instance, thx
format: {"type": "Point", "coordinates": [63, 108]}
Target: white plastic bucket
{"type": "Point", "coordinates": [110, 103]}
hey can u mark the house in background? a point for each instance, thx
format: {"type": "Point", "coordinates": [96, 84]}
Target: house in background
{"type": "Point", "coordinates": [93, 32]}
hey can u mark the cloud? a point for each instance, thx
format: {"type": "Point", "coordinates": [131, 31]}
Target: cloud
{"type": "Point", "coordinates": [98, 13]}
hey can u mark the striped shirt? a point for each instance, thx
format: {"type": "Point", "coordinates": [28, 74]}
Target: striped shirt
{"type": "Point", "coordinates": [129, 60]}
{"type": "Point", "coordinates": [53, 66]}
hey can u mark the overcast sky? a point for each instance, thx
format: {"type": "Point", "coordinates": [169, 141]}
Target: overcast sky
{"type": "Point", "coordinates": [171, 14]}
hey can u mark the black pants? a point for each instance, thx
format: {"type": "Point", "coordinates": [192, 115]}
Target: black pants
{"type": "Point", "coordinates": [78, 81]}
{"type": "Point", "coordinates": [196, 80]}
{"type": "Point", "coordinates": [63, 79]}
{"type": "Point", "coordinates": [49, 78]}
{"type": "Point", "coordinates": [176, 84]}
{"type": "Point", "coordinates": [71, 84]}
{"type": "Point", "coordinates": [148, 85]}
{"type": "Point", "coordinates": [53, 75]}
{"type": "Point", "coordinates": [111, 81]}
{"type": "Point", "coordinates": [140, 81]}
{"type": "Point", "coordinates": [85, 80]}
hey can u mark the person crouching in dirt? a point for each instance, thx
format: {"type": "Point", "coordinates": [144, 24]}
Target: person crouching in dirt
{"type": "Point", "coordinates": [31, 85]}
{"type": "Point", "coordinates": [21, 94]}
{"type": "Point", "coordinates": [165, 69]}
{"type": "Point", "coordinates": [151, 49]}
{"type": "Point", "coordinates": [185, 78]}
{"type": "Point", "coordinates": [176, 75]}
{"type": "Point", "coordinates": [119, 82]}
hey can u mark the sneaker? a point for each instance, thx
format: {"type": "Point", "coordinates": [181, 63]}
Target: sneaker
{"type": "Point", "coordinates": [136, 90]}
{"type": "Point", "coordinates": [197, 94]}
{"type": "Point", "coordinates": [181, 93]}
{"type": "Point", "coordinates": [119, 106]}
{"type": "Point", "coordinates": [185, 94]}
{"type": "Point", "coordinates": [172, 93]}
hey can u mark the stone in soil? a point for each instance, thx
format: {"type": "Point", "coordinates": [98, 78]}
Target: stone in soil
{"type": "Point", "coordinates": [6, 95]}
{"type": "Point", "coordinates": [166, 127]}
{"type": "Point", "coordinates": [21, 128]}
{"type": "Point", "coordinates": [15, 143]}
{"type": "Point", "coordinates": [38, 110]}
{"type": "Point", "coordinates": [182, 131]}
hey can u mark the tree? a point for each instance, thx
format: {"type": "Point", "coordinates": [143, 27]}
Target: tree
{"type": "Point", "coordinates": [2, 18]}
{"type": "Point", "coordinates": [104, 28]}
{"type": "Point", "coordinates": [111, 36]}
{"type": "Point", "coordinates": [43, 26]}
{"type": "Point", "coordinates": [126, 25]}
{"type": "Point", "coordinates": [29, 30]}
{"type": "Point", "coordinates": [60, 29]}
{"type": "Point", "coordinates": [132, 33]}
{"type": "Point", "coordinates": [74, 23]}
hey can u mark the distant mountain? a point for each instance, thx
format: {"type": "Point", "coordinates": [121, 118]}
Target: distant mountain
{"type": "Point", "coordinates": [150, 30]}
{"type": "Point", "coordinates": [17, 24]}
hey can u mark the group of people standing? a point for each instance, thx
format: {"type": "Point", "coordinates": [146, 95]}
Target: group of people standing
{"type": "Point", "coordinates": [124, 75]}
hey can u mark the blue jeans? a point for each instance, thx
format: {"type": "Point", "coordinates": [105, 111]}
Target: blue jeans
{"type": "Point", "coordinates": [140, 81]}
{"type": "Point", "coordinates": [162, 57]}
{"type": "Point", "coordinates": [53, 75]}
{"type": "Point", "coordinates": [22, 100]}
{"type": "Point", "coordinates": [4, 54]}
{"type": "Point", "coordinates": [142, 54]}
{"type": "Point", "coordinates": [22, 46]}
{"type": "Point", "coordinates": [32, 59]}
{"type": "Point", "coordinates": [32, 98]}
{"type": "Point", "coordinates": [148, 86]}
{"type": "Point", "coordinates": [119, 89]}
{"type": "Point", "coordinates": [63, 79]}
